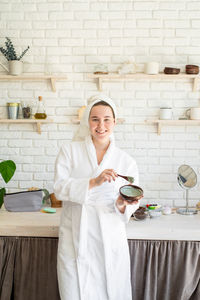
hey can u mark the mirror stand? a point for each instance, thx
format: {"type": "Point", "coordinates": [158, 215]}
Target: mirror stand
{"type": "Point", "coordinates": [187, 210]}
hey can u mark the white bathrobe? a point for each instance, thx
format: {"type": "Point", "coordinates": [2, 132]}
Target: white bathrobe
{"type": "Point", "coordinates": [93, 254]}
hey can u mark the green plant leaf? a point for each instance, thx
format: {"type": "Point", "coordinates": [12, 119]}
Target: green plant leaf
{"type": "Point", "coordinates": [7, 169]}
{"type": "Point", "coordinates": [2, 193]}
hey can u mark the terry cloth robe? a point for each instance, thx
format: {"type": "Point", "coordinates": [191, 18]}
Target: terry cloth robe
{"type": "Point", "coordinates": [93, 254]}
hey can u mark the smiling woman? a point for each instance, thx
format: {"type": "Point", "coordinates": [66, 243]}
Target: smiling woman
{"type": "Point", "coordinates": [101, 124]}
{"type": "Point", "coordinates": [93, 255]}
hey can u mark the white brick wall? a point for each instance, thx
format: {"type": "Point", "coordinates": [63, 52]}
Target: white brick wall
{"type": "Point", "coordinates": [71, 37]}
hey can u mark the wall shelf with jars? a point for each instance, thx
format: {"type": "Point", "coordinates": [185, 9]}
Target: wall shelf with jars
{"type": "Point", "coordinates": [161, 123]}
{"type": "Point", "coordinates": [28, 121]}
{"type": "Point", "coordinates": [51, 78]}
{"type": "Point", "coordinates": [142, 76]}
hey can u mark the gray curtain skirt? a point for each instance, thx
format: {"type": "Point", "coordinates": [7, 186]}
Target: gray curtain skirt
{"type": "Point", "coordinates": [160, 270]}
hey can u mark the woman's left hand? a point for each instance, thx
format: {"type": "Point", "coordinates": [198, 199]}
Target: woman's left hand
{"type": "Point", "coordinates": [121, 203]}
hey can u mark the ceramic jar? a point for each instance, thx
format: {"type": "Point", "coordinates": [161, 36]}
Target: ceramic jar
{"type": "Point", "coordinates": [165, 113]}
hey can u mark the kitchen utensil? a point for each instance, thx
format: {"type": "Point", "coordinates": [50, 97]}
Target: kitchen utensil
{"type": "Point", "coordinates": [128, 178]}
{"type": "Point", "coordinates": [131, 193]}
{"type": "Point", "coordinates": [172, 71]}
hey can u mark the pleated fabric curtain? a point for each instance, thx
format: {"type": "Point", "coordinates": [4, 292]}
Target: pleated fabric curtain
{"type": "Point", "coordinates": [28, 268]}
{"type": "Point", "coordinates": [165, 270]}
{"type": "Point", "coordinates": [161, 270]}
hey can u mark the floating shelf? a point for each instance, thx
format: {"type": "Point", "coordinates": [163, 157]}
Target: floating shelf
{"type": "Point", "coordinates": [77, 121]}
{"type": "Point", "coordinates": [52, 78]}
{"type": "Point", "coordinates": [161, 123]}
{"type": "Point", "coordinates": [30, 121]}
{"type": "Point", "coordinates": [142, 76]}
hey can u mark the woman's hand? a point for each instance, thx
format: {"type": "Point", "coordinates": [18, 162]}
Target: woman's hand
{"type": "Point", "coordinates": [106, 175]}
{"type": "Point", "coordinates": [121, 203]}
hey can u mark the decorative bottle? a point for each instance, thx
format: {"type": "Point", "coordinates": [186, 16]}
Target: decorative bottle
{"type": "Point", "coordinates": [40, 110]}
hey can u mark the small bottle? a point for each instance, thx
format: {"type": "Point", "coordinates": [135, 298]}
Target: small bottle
{"type": "Point", "coordinates": [40, 110]}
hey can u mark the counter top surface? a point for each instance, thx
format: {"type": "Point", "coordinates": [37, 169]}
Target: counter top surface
{"type": "Point", "coordinates": [166, 227]}
{"type": "Point", "coordinates": [29, 223]}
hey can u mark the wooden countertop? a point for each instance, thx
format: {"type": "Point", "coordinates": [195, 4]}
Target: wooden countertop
{"type": "Point", "coordinates": [29, 223]}
{"type": "Point", "coordinates": [166, 227]}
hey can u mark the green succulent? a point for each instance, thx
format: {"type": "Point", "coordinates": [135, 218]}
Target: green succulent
{"type": "Point", "coordinates": [9, 51]}
{"type": "Point", "coordinates": [7, 170]}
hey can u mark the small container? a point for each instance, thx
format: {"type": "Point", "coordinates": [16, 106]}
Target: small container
{"type": "Point", "coordinates": [140, 214]}
{"type": "Point", "coordinates": [131, 192]}
{"type": "Point", "coordinates": [172, 71]}
{"type": "Point", "coordinates": [54, 201]}
{"type": "Point", "coordinates": [152, 68]}
{"type": "Point", "coordinates": [155, 213]}
{"type": "Point", "coordinates": [191, 69]}
{"type": "Point", "coordinates": [26, 110]}
{"type": "Point", "coordinates": [40, 110]}
{"type": "Point", "coordinates": [13, 110]}
{"type": "Point", "coordinates": [165, 113]}
{"type": "Point", "coordinates": [100, 69]}
{"type": "Point", "coordinates": [167, 210]}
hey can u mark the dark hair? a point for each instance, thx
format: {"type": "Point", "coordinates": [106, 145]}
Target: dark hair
{"type": "Point", "coordinates": [101, 102]}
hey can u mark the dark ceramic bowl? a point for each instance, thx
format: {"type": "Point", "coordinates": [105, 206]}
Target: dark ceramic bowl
{"type": "Point", "coordinates": [191, 69]}
{"type": "Point", "coordinates": [172, 71]}
{"type": "Point", "coordinates": [140, 214]}
{"type": "Point", "coordinates": [140, 217]}
{"type": "Point", "coordinates": [130, 192]}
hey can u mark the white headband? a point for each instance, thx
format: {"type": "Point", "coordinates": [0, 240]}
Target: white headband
{"type": "Point", "coordinates": [83, 129]}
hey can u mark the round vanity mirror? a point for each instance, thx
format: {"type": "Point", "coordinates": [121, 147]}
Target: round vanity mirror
{"type": "Point", "coordinates": [187, 179]}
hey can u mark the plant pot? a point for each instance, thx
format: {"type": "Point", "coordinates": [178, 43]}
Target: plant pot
{"type": "Point", "coordinates": [15, 67]}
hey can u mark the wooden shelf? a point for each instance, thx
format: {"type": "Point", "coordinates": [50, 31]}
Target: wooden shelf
{"type": "Point", "coordinates": [77, 121]}
{"type": "Point", "coordinates": [142, 76]}
{"type": "Point", "coordinates": [161, 123]}
{"type": "Point", "coordinates": [51, 78]}
{"type": "Point", "coordinates": [30, 121]}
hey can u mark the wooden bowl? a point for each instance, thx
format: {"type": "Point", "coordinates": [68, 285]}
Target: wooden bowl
{"type": "Point", "coordinates": [54, 201]}
{"type": "Point", "coordinates": [130, 192]}
{"type": "Point", "coordinates": [172, 71]}
{"type": "Point", "coordinates": [191, 69]}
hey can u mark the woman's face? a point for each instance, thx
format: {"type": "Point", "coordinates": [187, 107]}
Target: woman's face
{"type": "Point", "coordinates": [101, 123]}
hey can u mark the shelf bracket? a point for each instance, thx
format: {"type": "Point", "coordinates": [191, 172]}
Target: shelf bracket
{"type": "Point", "coordinates": [38, 127]}
{"type": "Point", "coordinates": [53, 86]}
{"type": "Point", "coordinates": [159, 128]}
{"type": "Point", "coordinates": [100, 84]}
{"type": "Point", "coordinates": [195, 84]}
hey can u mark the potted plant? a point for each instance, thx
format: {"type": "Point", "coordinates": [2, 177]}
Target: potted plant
{"type": "Point", "coordinates": [15, 63]}
{"type": "Point", "coordinates": [7, 170]}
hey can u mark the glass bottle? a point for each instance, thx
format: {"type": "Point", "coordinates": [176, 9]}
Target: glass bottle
{"type": "Point", "coordinates": [40, 110]}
